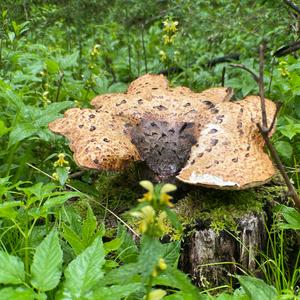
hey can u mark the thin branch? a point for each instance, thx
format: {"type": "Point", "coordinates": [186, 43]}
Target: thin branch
{"type": "Point", "coordinates": [264, 131]}
{"type": "Point", "coordinates": [278, 106]}
{"type": "Point", "coordinates": [292, 191]}
{"type": "Point", "coordinates": [89, 197]}
{"type": "Point", "coordinates": [223, 76]}
{"type": "Point", "coordinates": [255, 77]}
{"type": "Point", "coordinates": [292, 5]}
{"type": "Point", "coordinates": [262, 88]}
{"type": "Point", "coordinates": [59, 85]}
{"type": "Point", "coordinates": [285, 50]}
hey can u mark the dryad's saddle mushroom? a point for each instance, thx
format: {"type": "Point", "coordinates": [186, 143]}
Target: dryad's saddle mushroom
{"type": "Point", "coordinates": [202, 138]}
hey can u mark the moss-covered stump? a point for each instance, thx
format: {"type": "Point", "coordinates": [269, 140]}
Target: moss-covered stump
{"type": "Point", "coordinates": [224, 232]}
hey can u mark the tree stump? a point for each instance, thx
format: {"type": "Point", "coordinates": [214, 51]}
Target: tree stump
{"type": "Point", "coordinates": [224, 232]}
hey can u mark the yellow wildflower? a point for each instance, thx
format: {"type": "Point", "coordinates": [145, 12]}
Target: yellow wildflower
{"type": "Point", "coordinates": [61, 162]}
{"type": "Point", "coordinates": [170, 26]}
{"type": "Point", "coordinates": [147, 216]}
{"type": "Point", "coordinates": [168, 39]}
{"type": "Point", "coordinates": [55, 176]}
{"type": "Point", "coordinates": [163, 55]}
{"type": "Point", "coordinates": [95, 50]}
{"type": "Point", "coordinates": [164, 197]}
{"type": "Point", "coordinates": [147, 185]}
{"type": "Point", "coordinates": [162, 264]}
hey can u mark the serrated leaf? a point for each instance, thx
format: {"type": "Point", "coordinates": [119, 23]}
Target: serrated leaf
{"type": "Point", "coordinates": [128, 251]}
{"type": "Point", "coordinates": [115, 292]}
{"type": "Point", "coordinates": [59, 200]}
{"type": "Point", "coordinates": [17, 294]}
{"type": "Point", "coordinates": [256, 288]}
{"type": "Point", "coordinates": [20, 132]}
{"type": "Point", "coordinates": [84, 273]}
{"type": "Point", "coordinates": [73, 239]}
{"type": "Point", "coordinates": [12, 269]}
{"type": "Point", "coordinates": [63, 174]}
{"type": "Point", "coordinates": [89, 227]}
{"type": "Point", "coordinates": [47, 262]}
{"type": "Point", "coordinates": [7, 209]}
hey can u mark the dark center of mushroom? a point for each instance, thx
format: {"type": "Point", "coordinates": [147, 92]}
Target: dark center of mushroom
{"type": "Point", "coordinates": [164, 146]}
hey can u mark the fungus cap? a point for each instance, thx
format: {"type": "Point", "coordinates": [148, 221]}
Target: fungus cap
{"type": "Point", "coordinates": [222, 148]}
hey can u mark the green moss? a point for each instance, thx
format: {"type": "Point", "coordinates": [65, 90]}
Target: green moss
{"type": "Point", "coordinates": [117, 191]}
{"type": "Point", "coordinates": [220, 210]}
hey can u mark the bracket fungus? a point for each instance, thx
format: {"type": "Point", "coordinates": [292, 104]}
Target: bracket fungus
{"type": "Point", "coordinates": [202, 138]}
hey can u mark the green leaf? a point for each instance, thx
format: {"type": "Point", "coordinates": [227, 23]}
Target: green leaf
{"type": "Point", "coordinates": [84, 273]}
{"type": "Point", "coordinates": [172, 277]}
{"type": "Point", "coordinates": [47, 262]}
{"type": "Point", "coordinates": [291, 216]}
{"type": "Point", "coordinates": [63, 174]}
{"type": "Point", "coordinates": [12, 269]}
{"type": "Point", "coordinates": [89, 227]}
{"type": "Point", "coordinates": [73, 239]}
{"type": "Point", "coordinates": [3, 129]}
{"type": "Point", "coordinates": [284, 149]}
{"type": "Point", "coordinates": [256, 288]}
{"type": "Point", "coordinates": [115, 292]}
{"type": "Point", "coordinates": [128, 251]}
{"type": "Point", "coordinates": [7, 209]}
{"type": "Point", "coordinates": [112, 245]}
{"type": "Point", "coordinates": [171, 253]}
{"type": "Point", "coordinates": [17, 294]}
{"type": "Point", "coordinates": [59, 200]}
{"type": "Point", "coordinates": [52, 66]}
{"type": "Point", "coordinates": [20, 132]}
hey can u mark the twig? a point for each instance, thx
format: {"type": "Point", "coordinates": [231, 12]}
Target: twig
{"type": "Point", "coordinates": [223, 76]}
{"type": "Point", "coordinates": [255, 77]}
{"type": "Point", "coordinates": [263, 128]}
{"type": "Point", "coordinates": [292, 191]}
{"type": "Point", "coordinates": [264, 131]}
{"type": "Point", "coordinates": [262, 88]}
{"type": "Point", "coordinates": [285, 50]}
{"type": "Point", "coordinates": [76, 174]}
{"type": "Point", "coordinates": [89, 197]}
{"type": "Point", "coordinates": [59, 85]}
{"type": "Point", "coordinates": [144, 49]}
{"type": "Point", "coordinates": [292, 5]}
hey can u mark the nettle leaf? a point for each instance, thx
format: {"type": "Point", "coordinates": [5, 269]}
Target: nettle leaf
{"type": "Point", "coordinates": [12, 269]}
{"type": "Point", "coordinates": [7, 209]}
{"type": "Point", "coordinates": [20, 132]}
{"type": "Point", "coordinates": [17, 294]}
{"type": "Point", "coordinates": [63, 174]}
{"type": "Point", "coordinates": [47, 262]}
{"type": "Point", "coordinates": [290, 130]}
{"type": "Point", "coordinates": [256, 288]}
{"type": "Point", "coordinates": [116, 292]}
{"type": "Point", "coordinates": [83, 274]}
{"type": "Point", "coordinates": [59, 200]}
{"type": "Point", "coordinates": [128, 251]}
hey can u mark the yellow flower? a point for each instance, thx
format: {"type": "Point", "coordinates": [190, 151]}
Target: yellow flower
{"type": "Point", "coordinates": [61, 161]}
{"type": "Point", "coordinates": [156, 294]}
{"type": "Point", "coordinates": [170, 26]}
{"type": "Point", "coordinates": [147, 216]}
{"type": "Point", "coordinates": [168, 39]}
{"type": "Point", "coordinates": [163, 55]}
{"type": "Point", "coordinates": [162, 264]}
{"type": "Point", "coordinates": [161, 222]}
{"type": "Point", "coordinates": [147, 185]}
{"type": "Point", "coordinates": [55, 176]}
{"type": "Point", "coordinates": [164, 197]}
{"type": "Point", "coordinates": [95, 50]}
